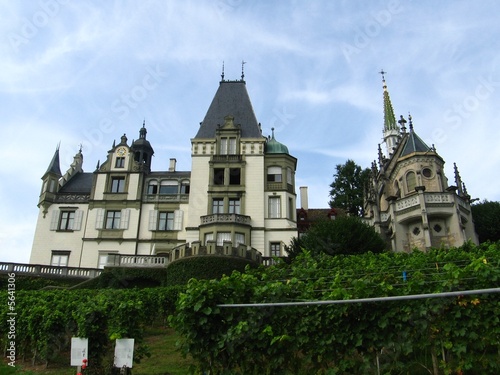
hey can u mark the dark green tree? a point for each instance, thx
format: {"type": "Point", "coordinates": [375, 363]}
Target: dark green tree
{"type": "Point", "coordinates": [345, 235]}
{"type": "Point", "coordinates": [347, 188]}
{"type": "Point", "coordinates": [487, 220]}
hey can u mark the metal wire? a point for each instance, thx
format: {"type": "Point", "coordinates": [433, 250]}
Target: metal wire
{"type": "Point", "coordinates": [365, 300]}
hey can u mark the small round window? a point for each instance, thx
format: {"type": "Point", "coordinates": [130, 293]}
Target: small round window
{"type": "Point", "coordinates": [427, 172]}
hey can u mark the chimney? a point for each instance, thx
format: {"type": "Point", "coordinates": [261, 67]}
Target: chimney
{"type": "Point", "coordinates": [303, 198]}
{"type": "Point", "coordinates": [171, 167]}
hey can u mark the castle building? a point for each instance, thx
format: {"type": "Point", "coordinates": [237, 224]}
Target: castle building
{"type": "Point", "coordinates": [408, 199]}
{"type": "Point", "coordinates": [239, 195]}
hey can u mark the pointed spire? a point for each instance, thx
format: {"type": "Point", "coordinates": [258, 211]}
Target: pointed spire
{"type": "Point", "coordinates": [222, 75]}
{"type": "Point", "coordinates": [458, 180]}
{"type": "Point", "coordinates": [54, 166]}
{"type": "Point", "coordinates": [114, 144]}
{"type": "Point", "coordinates": [389, 117]}
{"type": "Point", "coordinates": [142, 131]}
{"type": "Point", "coordinates": [242, 69]}
{"type": "Point", "coordinates": [380, 156]}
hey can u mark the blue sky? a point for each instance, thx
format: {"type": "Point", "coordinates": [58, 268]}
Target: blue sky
{"type": "Point", "coordinates": [88, 72]}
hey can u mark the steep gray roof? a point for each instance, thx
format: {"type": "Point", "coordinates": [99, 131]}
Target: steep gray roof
{"type": "Point", "coordinates": [80, 183]}
{"type": "Point", "coordinates": [232, 99]}
{"type": "Point", "coordinates": [54, 164]}
{"type": "Point", "coordinates": [414, 144]}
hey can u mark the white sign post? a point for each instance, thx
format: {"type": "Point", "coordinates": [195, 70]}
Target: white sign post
{"type": "Point", "coordinates": [79, 352]}
{"type": "Point", "coordinates": [124, 353]}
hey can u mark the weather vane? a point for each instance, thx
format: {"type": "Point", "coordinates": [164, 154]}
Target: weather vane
{"type": "Point", "coordinates": [382, 72]}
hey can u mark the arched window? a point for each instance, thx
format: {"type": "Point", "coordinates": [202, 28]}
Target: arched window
{"type": "Point", "coordinates": [411, 181]}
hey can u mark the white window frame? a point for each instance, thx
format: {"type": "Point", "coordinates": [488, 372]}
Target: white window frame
{"type": "Point", "coordinates": [274, 207]}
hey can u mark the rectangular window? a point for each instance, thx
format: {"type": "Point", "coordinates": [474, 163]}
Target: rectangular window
{"type": "Point", "coordinates": [208, 237]}
{"type": "Point", "coordinates": [103, 261]}
{"type": "Point", "coordinates": [120, 162]}
{"type": "Point", "coordinates": [67, 220]}
{"type": "Point", "coordinates": [274, 207]}
{"type": "Point", "coordinates": [217, 206]}
{"type": "Point", "coordinates": [59, 258]}
{"type": "Point", "coordinates": [232, 146]}
{"type": "Point", "coordinates": [274, 174]}
{"type": "Point", "coordinates": [153, 187]}
{"type": "Point", "coordinates": [185, 187]}
{"type": "Point", "coordinates": [218, 176]}
{"type": "Point", "coordinates": [117, 184]}
{"type": "Point", "coordinates": [113, 219]}
{"type": "Point", "coordinates": [168, 187]}
{"type": "Point", "coordinates": [223, 146]}
{"type": "Point", "coordinates": [234, 206]}
{"type": "Point", "coordinates": [291, 209]}
{"type": "Point", "coordinates": [239, 238]}
{"type": "Point", "coordinates": [289, 176]}
{"type": "Point", "coordinates": [275, 249]}
{"type": "Point", "coordinates": [166, 221]}
{"type": "Point", "coordinates": [222, 237]}
{"type": "Point", "coordinates": [234, 176]}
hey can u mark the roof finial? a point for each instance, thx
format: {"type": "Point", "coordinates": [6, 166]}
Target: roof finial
{"type": "Point", "coordinates": [402, 123]}
{"type": "Point", "coordinates": [222, 75]}
{"type": "Point", "coordinates": [383, 79]}
{"type": "Point", "coordinates": [410, 121]}
{"type": "Point", "coordinates": [81, 147]}
{"type": "Point", "coordinates": [243, 69]}
{"type": "Point", "coordinates": [272, 132]}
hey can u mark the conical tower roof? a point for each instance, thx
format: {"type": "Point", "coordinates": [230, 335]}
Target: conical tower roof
{"type": "Point", "coordinates": [54, 166]}
{"type": "Point", "coordinates": [232, 99]}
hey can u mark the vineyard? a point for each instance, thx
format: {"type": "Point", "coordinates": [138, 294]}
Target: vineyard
{"type": "Point", "coordinates": [459, 335]}
{"type": "Point", "coordinates": [450, 335]}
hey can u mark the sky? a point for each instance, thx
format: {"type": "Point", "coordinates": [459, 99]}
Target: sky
{"type": "Point", "coordinates": [84, 73]}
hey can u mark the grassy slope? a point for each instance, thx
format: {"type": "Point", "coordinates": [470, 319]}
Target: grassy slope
{"type": "Point", "coordinates": [164, 360]}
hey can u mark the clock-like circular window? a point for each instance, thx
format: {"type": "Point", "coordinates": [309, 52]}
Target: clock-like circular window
{"type": "Point", "coordinates": [427, 172]}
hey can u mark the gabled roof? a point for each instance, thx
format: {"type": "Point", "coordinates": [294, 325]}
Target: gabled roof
{"type": "Point", "coordinates": [414, 144]}
{"type": "Point", "coordinates": [232, 99]}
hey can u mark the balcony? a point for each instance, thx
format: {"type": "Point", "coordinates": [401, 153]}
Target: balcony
{"type": "Point", "coordinates": [227, 158]}
{"type": "Point", "coordinates": [150, 261]}
{"type": "Point", "coordinates": [225, 219]}
{"type": "Point", "coordinates": [45, 270]}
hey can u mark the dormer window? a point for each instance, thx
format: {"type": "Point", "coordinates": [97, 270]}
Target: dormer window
{"type": "Point", "coordinates": [227, 146]}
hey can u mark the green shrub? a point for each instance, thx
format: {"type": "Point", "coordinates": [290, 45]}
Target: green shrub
{"type": "Point", "coordinates": [204, 267]}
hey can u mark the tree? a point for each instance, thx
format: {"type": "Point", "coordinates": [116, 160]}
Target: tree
{"type": "Point", "coordinates": [487, 220]}
{"type": "Point", "coordinates": [345, 235]}
{"type": "Point", "coordinates": [347, 188]}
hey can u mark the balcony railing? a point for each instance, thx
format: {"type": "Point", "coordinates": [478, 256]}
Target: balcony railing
{"type": "Point", "coordinates": [45, 270]}
{"type": "Point", "coordinates": [226, 218]}
{"type": "Point", "coordinates": [120, 260]}
{"type": "Point", "coordinates": [227, 158]}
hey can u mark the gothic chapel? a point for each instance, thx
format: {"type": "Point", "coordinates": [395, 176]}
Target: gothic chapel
{"type": "Point", "coordinates": [408, 200]}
